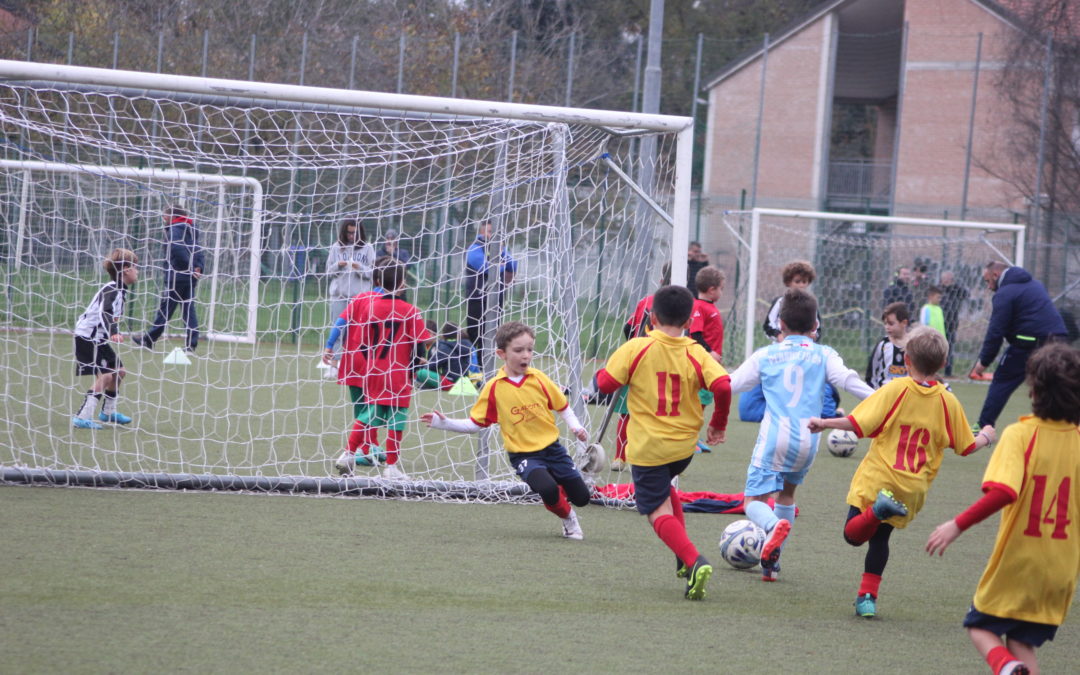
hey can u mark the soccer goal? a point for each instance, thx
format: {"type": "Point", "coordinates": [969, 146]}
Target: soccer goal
{"type": "Point", "coordinates": [589, 203]}
{"type": "Point", "coordinates": [856, 258]}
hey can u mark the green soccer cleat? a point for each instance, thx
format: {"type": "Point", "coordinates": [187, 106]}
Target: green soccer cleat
{"type": "Point", "coordinates": [697, 578]}
{"type": "Point", "coordinates": [375, 456]}
{"type": "Point", "coordinates": [866, 606]}
{"type": "Point", "coordinates": [681, 570]}
{"type": "Point", "coordinates": [886, 506]}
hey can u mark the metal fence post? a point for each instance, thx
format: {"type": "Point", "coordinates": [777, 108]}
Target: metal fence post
{"type": "Point", "coordinates": [352, 62]}
{"type": "Point", "coordinates": [454, 74]}
{"type": "Point", "coordinates": [971, 128]}
{"type": "Point", "coordinates": [205, 49]}
{"type": "Point", "coordinates": [401, 63]}
{"type": "Point", "coordinates": [513, 66]}
{"type": "Point", "coordinates": [570, 70]}
{"type": "Point", "coordinates": [251, 59]}
{"type": "Point", "coordinates": [760, 115]}
{"type": "Point", "coordinates": [1044, 106]}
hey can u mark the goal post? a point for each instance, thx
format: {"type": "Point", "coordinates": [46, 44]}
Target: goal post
{"type": "Point", "coordinates": [144, 178]}
{"type": "Point", "coordinates": [856, 256]}
{"type": "Point", "coordinates": [589, 203]}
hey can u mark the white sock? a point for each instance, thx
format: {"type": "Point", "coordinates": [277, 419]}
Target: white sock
{"type": "Point", "coordinates": [89, 405]}
{"type": "Point", "coordinates": [108, 405]}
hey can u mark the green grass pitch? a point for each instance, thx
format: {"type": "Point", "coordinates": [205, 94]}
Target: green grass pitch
{"type": "Point", "coordinates": [121, 581]}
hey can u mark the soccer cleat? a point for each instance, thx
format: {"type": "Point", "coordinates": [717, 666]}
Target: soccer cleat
{"type": "Point", "coordinates": [143, 341]}
{"type": "Point", "coordinates": [392, 472]}
{"type": "Point", "coordinates": [373, 457]}
{"type": "Point", "coordinates": [866, 606]}
{"type": "Point", "coordinates": [1014, 667]}
{"type": "Point", "coordinates": [770, 552]}
{"type": "Point", "coordinates": [770, 572]}
{"type": "Point", "coordinates": [618, 465]}
{"type": "Point", "coordinates": [83, 423]}
{"type": "Point", "coordinates": [697, 578]}
{"type": "Point", "coordinates": [886, 506]}
{"type": "Point", "coordinates": [681, 570]}
{"type": "Point", "coordinates": [115, 418]}
{"type": "Point", "coordinates": [190, 351]}
{"type": "Point", "coordinates": [345, 463]}
{"type": "Point", "coordinates": [571, 528]}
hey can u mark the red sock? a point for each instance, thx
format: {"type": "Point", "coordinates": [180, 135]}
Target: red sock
{"type": "Point", "coordinates": [673, 534]}
{"type": "Point", "coordinates": [393, 446]}
{"type": "Point", "coordinates": [357, 437]}
{"type": "Point", "coordinates": [560, 508]}
{"type": "Point", "coordinates": [998, 657]}
{"type": "Point", "coordinates": [676, 507]}
{"type": "Point", "coordinates": [620, 437]}
{"type": "Point", "coordinates": [863, 526]}
{"type": "Point", "coordinates": [870, 584]}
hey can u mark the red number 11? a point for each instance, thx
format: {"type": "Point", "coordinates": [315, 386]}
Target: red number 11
{"type": "Point", "coordinates": [661, 391]}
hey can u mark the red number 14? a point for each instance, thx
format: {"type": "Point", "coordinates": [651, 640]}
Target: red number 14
{"type": "Point", "coordinates": [1059, 506]}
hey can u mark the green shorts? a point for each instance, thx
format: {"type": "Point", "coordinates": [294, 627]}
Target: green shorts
{"type": "Point", "coordinates": [378, 415]}
{"type": "Point", "coordinates": [620, 401]}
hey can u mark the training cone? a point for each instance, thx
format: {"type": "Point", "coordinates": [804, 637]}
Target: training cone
{"type": "Point", "coordinates": [177, 357]}
{"type": "Point", "coordinates": [463, 387]}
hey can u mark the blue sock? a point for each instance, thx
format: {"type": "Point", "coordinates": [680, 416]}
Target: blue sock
{"type": "Point", "coordinates": [785, 511]}
{"type": "Point", "coordinates": [761, 515]}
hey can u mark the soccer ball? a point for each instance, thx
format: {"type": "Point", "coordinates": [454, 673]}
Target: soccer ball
{"type": "Point", "coordinates": [841, 443]}
{"type": "Point", "coordinates": [740, 544]}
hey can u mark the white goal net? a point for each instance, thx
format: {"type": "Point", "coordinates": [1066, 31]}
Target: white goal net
{"type": "Point", "coordinates": [862, 261]}
{"type": "Point", "coordinates": [583, 201]}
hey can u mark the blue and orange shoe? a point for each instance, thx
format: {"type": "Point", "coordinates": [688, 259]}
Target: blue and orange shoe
{"type": "Point", "coordinates": [770, 552]}
{"type": "Point", "coordinates": [83, 423]}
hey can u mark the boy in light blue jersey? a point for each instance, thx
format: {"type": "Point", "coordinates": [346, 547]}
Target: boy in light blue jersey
{"type": "Point", "coordinates": [792, 374]}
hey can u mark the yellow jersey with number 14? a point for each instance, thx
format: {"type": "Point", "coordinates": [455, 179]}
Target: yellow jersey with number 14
{"type": "Point", "coordinates": [1031, 574]}
{"type": "Point", "coordinates": [664, 375]}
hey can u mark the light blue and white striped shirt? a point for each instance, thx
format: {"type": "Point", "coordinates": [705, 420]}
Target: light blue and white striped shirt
{"type": "Point", "coordinates": [792, 374]}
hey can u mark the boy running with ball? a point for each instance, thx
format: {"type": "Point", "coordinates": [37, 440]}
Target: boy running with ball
{"type": "Point", "coordinates": [664, 372]}
{"type": "Point", "coordinates": [1029, 581]}
{"type": "Point", "coordinates": [912, 420]}
{"type": "Point", "coordinates": [793, 374]}
{"type": "Point", "coordinates": [520, 400]}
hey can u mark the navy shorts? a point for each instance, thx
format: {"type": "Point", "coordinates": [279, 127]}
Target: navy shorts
{"type": "Point", "coordinates": [652, 484]}
{"type": "Point", "coordinates": [554, 458]}
{"type": "Point", "coordinates": [95, 359]}
{"type": "Point", "coordinates": [1028, 632]}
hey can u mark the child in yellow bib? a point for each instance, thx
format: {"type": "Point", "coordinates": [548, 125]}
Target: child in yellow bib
{"type": "Point", "coordinates": [520, 400]}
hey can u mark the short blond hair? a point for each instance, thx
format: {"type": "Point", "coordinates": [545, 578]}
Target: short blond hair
{"type": "Point", "coordinates": [927, 350]}
{"type": "Point", "coordinates": [118, 260]}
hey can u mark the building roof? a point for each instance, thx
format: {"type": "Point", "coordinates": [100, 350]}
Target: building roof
{"type": "Point", "coordinates": [1005, 9]}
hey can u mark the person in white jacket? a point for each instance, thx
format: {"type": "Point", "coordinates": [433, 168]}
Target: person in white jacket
{"type": "Point", "coordinates": [349, 265]}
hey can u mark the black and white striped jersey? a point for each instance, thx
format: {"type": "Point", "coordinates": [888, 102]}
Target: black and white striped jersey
{"type": "Point", "coordinates": [886, 363]}
{"type": "Point", "coordinates": [102, 316]}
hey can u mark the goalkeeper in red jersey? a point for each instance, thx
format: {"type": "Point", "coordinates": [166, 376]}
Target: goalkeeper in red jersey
{"type": "Point", "coordinates": [389, 331]}
{"type": "Point", "coordinates": [520, 400]}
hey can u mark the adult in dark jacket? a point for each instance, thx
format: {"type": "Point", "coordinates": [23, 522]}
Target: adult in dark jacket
{"type": "Point", "coordinates": [900, 291]}
{"type": "Point", "coordinates": [480, 287]}
{"type": "Point", "coordinates": [183, 268]}
{"type": "Point", "coordinates": [953, 297]}
{"type": "Point", "coordinates": [1025, 317]}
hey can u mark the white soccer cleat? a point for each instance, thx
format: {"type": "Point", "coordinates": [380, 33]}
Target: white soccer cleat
{"type": "Point", "coordinates": [571, 528]}
{"type": "Point", "coordinates": [345, 463]}
{"type": "Point", "coordinates": [392, 472]}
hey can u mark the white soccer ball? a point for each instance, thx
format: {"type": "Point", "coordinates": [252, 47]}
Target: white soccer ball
{"type": "Point", "coordinates": [841, 443]}
{"type": "Point", "coordinates": [740, 544]}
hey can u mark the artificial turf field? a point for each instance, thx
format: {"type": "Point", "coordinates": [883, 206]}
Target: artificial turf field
{"type": "Point", "coordinates": [134, 581]}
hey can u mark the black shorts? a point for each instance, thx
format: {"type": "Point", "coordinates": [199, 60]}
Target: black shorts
{"type": "Point", "coordinates": [95, 359]}
{"type": "Point", "coordinates": [1028, 632]}
{"type": "Point", "coordinates": [652, 484]}
{"type": "Point", "coordinates": [554, 458]}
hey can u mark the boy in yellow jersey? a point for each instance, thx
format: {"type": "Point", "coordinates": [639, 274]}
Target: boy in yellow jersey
{"type": "Point", "coordinates": [1028, 584]}
{"type": "Point", "coordinates": [664, 372]}
{"type": "Point", "coordinates": [520, 400]}
{"type": "Point", "coordinates": [912, 420]}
